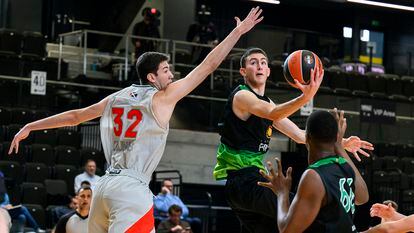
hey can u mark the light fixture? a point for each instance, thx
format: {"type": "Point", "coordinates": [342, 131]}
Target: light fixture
{"type": "Point", "coordinates": [268, 1]}
{"type": "Point", "coordinates": [382, 4]}
{"type": "Point", "coordinates": [365, 35]}
{"type": "Point", "coordinates": [347, 31]}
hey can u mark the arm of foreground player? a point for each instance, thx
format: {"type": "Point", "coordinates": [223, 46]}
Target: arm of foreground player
{"type": "Point", "coordinates": [403, 225]}
{"type": "Point", "coordinates": [352, 144]}
{"type": "Point", "coordinates": [361, 189]}
{"type": "Point", "coordinates": [307, 202]}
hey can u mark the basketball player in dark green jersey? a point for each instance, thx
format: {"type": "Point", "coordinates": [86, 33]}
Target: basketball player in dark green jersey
{"type": "Point", "coordinates": [249, 117]}
{"type": "Point", "coordinates": [328, 190]}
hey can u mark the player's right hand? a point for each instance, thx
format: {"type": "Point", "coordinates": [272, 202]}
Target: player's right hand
{"type": "Point", "coordinates": [310, 89]}
{"type": "Point", "coordinates": [251, 19]}
{"type": "Point", "coordinates": [22, 134]}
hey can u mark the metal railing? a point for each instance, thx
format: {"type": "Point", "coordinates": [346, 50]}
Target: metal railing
{"type": "Point", "coordinates": [164, 46]}
{"type": "Point", "coordinates": [82, 36]}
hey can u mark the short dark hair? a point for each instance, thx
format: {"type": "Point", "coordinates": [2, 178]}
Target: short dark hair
{"type": "Point", "coordinates": [250, 51]}
{"type": "Point", "coordinates": [85, 182]}
{"type": "Point", "coordinates": [322, 127]}
{"type": "Point", "coordinates": [89, 160]}
{"type": "Point", "coordinates": [148, 63]}
{"type": "Point", "coordinates": [175, 208]}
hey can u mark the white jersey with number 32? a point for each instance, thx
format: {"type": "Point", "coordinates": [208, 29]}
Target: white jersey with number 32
{"type": "Point", "coordinates": [131, 136]}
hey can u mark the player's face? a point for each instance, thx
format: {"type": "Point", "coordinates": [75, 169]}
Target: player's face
{"type": "Point", "coordinates": [256, 70]}
{"type": "Point", "coordinates": [84, 198]}
{"type": "Point", "coordinates": [164, 76]}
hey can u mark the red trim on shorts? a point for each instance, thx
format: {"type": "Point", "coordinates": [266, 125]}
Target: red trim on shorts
{"type": "Point", "coordinates": [145, 224]}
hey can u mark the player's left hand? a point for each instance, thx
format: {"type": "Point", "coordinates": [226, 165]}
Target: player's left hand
{"type": "Point", "coordinates": [278, 182]}
{"type": "Point", "coordinates": [382, 211]}
{"type": "Point", "coordinates": [357, 146]}
{"type": "Point", "coordinates": [250, 21]}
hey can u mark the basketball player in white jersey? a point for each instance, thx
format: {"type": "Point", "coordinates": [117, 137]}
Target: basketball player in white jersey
{"type": "Point", "coordinates": [134, 128]}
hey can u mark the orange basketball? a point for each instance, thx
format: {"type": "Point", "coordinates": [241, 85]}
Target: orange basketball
{"type": "Point", "coordinates": [299, 65]}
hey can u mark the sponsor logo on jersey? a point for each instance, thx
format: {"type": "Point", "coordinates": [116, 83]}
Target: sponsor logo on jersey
{"type": "Point", "coordinates": [263, 147]}
{"type": "Point", "coordinates": [269, 132]}
{"type": "Point", "coordinates": [134, 94]}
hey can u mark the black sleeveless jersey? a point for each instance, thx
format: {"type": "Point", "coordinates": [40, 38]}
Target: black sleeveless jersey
{"type": "Point", "coordinates": [252, 135]}
{"type": "Point", "coordinates": [338, 178]}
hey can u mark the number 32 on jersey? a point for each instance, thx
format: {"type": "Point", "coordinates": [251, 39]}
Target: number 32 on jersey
{"type": "Point", "coordinates": [125, 118]}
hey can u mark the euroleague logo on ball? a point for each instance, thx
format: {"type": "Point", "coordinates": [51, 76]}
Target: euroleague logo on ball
{"type": "Point", "coordinates": [308, 59]}
{"type": "Point", "coordinates": [299, 65]}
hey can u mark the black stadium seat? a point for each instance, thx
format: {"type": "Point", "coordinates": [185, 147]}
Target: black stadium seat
{"type": "Point", "coordinates": [68, 174]}
{"type": "Point", "coordinates": [47, 136]}
{"type": "Point", "coordinates": [56, 192]}
{"type": "Point", "coordinates": [34, 44]}
{"type": "Point", "coordinates": [38, 213]}
{"type": "Point", "coordinates": [36, 172]}
{"type": "Point", "coordinates": [68, 138]}
{"type": "Point", "coordinates": [10, 41]}
{"type": "Point", "coordinates": [42, 153]}
{"type": "Point", "coordinates": [33, 193]}
{"type": "Point", "coordinates": [67, 155]}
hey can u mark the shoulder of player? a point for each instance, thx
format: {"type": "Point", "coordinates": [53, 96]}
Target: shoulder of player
{"type": "Point", "coordinates": [160, 98]}
{"type": "Point", "coordinates": [244, 96]}
{"type": "Point", "coordinates": [311, 182]}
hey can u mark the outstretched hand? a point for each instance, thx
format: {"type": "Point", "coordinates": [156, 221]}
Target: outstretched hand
{"type": "Point", "coordinates": [22, 134]}
{"type": "Point", "coordinates": [352, 144]}
{"type": "Point", "coordinates": [382, 211]}
{"type": "Point", "coordinates": [278, 183]}
{"type": "Point", "coordinates": [251, 19]}
{"type": "Point", "coordinates": [357, 146]}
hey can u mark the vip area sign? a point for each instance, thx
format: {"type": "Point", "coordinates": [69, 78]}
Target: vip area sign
{"type": "Point", "coordinates": [377, 111]}
{"type": "Point", "coordinates": [38, 84]}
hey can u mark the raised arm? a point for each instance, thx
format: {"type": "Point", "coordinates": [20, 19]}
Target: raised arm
{"type": "Point", "coordinates": [352, 144]}
{"type": "Point", "coordinates": [403, 225]}
{"type": "Point", "coordinates": [361, 189]}
{"type": "Point", "coordinates": [246, 101]}
{"type": "Point", "coordinates": [290, 129]}
{"type": "Point", "coordinates": [177, 90]}
{"type": "Point", "coordinates": [68, 118]}
{"type": "Point", "coordinates": [385, 212]}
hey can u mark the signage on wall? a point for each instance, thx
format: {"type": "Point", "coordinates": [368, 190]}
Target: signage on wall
{"type": "Point", "coordinates": [38, 83]}
{"type": "Point", "coordinates": [377, 111]}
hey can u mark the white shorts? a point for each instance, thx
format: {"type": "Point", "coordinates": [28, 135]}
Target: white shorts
{"type": "Point", "coordinates": [121, 202]}
{"type": "Point", "coordinates": [5, 221]}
